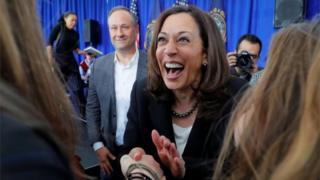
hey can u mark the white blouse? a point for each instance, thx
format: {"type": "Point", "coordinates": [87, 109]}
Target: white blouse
{"type": "Point", "coordinates": [181, 135]}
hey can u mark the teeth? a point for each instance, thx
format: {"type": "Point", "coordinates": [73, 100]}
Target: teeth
{"type": "Point", "coordinates": [173, 65]}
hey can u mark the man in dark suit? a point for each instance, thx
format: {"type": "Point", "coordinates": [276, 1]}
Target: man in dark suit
{"type": "Point", "coordinates": [111, 81]}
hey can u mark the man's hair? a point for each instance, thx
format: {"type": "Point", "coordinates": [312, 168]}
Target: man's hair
{"type": "Point", "coordinates": [122, 8]}
{"type": "Point", "coordinates": [252, 39]}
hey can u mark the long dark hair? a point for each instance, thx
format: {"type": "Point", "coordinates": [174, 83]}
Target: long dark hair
{"type": "Point", "coordinates": [214, 75]}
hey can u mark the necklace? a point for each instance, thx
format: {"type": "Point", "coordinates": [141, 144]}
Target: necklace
{"type": "Point", "coordinates": [185, 114]}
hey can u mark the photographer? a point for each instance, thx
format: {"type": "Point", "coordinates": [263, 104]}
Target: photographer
{"type": "Point", "coordinates": [243, 61]}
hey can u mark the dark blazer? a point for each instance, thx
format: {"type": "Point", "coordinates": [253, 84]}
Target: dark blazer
{"type": "Point", "coordinates": [30, 152]}
{"type": "Point", "coordinates": [205, 139]}
{"type": "Point", "coordinates": [101, 101]}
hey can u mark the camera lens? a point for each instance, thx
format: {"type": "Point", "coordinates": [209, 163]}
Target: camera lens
{"type": "Point", "coordinates": [244, 60]}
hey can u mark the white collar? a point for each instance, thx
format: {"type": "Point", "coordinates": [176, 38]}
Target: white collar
{"type": "Point", "coordinates": [133, 61]}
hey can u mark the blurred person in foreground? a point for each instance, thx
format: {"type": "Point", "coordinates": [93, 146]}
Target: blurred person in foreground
{"type": "Point", "coordinates": [178, 114]}
{"type": "Point", "coordinates": [274, 132]}
{"type": "Point", "coordinates": [37, 131]}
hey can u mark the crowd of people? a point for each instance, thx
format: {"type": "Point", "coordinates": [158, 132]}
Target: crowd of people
{"type": "Point", "coordinates": [182, 110]}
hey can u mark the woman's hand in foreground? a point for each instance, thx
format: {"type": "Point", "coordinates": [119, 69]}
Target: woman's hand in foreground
{"type": "Point", "coordinates": [168, 154]}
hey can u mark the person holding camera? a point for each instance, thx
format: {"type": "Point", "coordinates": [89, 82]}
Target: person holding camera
{"type": "Point", "coordinates": [243, 61]}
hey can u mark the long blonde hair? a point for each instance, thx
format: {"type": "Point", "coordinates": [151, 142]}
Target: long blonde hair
{"type": "Point", "coordinates": [277, 103]}
{"type": "Point", "coordinates": [25, 67]}
{"type": "Point", "coordinates": [302, 160]}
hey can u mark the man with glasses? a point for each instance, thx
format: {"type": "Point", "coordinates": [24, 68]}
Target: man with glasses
{"type": "Point", "coordinates": [250, 46]}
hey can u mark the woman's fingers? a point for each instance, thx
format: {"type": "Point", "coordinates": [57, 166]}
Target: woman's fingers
{"type": "Point", "coordinates": [178, 169]}
{"type": "Point", "coordinates": [173, 150]}
{"type": "Point", "coordinates": [156, 139]}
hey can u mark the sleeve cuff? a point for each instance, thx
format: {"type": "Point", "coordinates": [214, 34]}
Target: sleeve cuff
{"type": "Point", "coordinates": [97, 145]}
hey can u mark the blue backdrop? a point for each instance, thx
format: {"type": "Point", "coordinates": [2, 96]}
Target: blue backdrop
{"type": "Point", "coordinates": [242, 16]}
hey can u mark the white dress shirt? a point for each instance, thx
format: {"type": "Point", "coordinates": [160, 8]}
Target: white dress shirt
{"type": "Point", "coordinates": [124, 77]}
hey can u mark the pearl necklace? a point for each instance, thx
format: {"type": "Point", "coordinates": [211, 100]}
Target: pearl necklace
{"type": "Point", "coordinates": [185, 114]}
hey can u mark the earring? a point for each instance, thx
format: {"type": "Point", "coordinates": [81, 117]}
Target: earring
{"type": "Point", "coordinates": [204, 67]}
{"type": "Point", "coordinates": [205, 61]}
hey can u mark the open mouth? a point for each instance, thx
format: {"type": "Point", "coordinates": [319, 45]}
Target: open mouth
{"type": "Point", "coordinates": [173, 68]}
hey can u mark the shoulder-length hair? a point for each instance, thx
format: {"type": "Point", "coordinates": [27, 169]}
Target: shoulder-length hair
{"type": "Point", "coordinates": [274, 109]}
{"type": "Point", "coordinates": [25, 67]}
{"type": "Point", "coordinates": [214, 74]}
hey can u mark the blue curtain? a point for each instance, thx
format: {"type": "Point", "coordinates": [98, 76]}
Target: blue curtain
{"type": "Point", "coordinates": [242, 16]}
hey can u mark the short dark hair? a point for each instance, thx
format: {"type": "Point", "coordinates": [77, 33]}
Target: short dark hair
{"type": "Point", "coordinates": [214, 75]}
{"type": "Point", "coordinates": [252, 39]}
{"type": "Point", "coordinates": [123, 8]}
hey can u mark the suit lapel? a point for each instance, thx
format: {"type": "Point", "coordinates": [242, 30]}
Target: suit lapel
{"type": "Point", "coordinates": [197, 138]}
{"type": "Point", "coordinates": [142, 66]}
{"type": "Point", "coordinates": [107, 74]}
{"type": "Point", "coordinates": [159, 111]}
{"type": "Point", "coordinates": [109, 86]}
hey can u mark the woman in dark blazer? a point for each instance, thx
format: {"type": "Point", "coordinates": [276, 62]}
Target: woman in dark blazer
{"type": "Point", "coordinates": [187, 97]}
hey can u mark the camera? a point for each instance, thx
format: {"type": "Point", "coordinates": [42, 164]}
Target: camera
{"type": "Point", "coordinates": [244, 60]}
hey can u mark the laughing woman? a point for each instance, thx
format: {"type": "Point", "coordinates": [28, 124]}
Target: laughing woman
{"type": "Point", "coordinates": [187, 97]}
